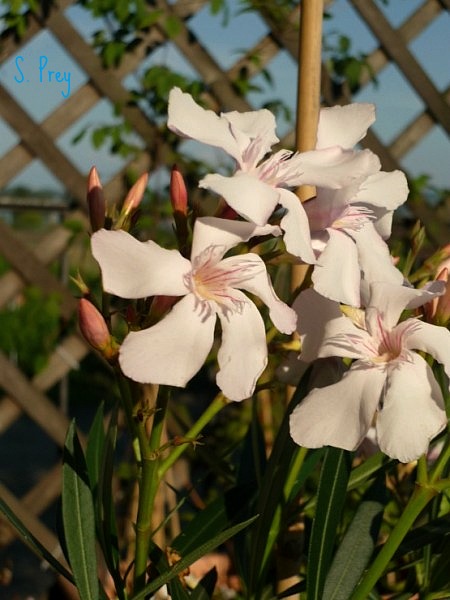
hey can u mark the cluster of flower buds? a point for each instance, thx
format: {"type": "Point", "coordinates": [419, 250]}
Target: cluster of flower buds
{"type": "Point", "coordinates": [110, 217]}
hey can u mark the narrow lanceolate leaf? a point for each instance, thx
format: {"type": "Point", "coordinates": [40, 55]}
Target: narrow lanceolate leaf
{"type": "Point", "coordinates": [204, 590]}
{"type": "Point", "coordinates": [190, 558]}
{"type": "Point", "coordinates": [330, 500]}
{"type": "Point", "coordinates": [356, 548]}
{"type": "Point", "coordinates": [32, 542]}
{"type": "Point", "coordinates": [78, 518]}
{"type": "Point", "coordinates": [271, 495]}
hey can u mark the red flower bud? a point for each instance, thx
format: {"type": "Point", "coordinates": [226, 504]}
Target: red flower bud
{"type": "Point", "coordinates": [95, 331]}
{"type": "Point", "coordinates": [96, 200]}
{"type": "Point", "coordinates": [135, 195]}
{"type": "Point", "coordinates": [178, 192]}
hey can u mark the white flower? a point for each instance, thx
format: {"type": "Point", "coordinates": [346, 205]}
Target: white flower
{"type": "Point", "coordinates": [387, 380]}
{"type": "Point", "coordinates": [348, 227]}
{"type": "Point", "coordinates": [259, 184]}
{"type": "Point", "coordinates": [174, 349]}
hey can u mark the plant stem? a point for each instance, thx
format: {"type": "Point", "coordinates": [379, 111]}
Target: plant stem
{"type": "Point", "coordinates": [127, 404]}
{"type": "Point", "coordinates": [419, 499]}
{"type": "Point", "coordinates": [216, 405]}
{"type": "Point", "coordinates": [441, 462]}
{"type": "Point", "coordinates": [296, 467]}
{"type": "Point", "coordinates": [148, 487]}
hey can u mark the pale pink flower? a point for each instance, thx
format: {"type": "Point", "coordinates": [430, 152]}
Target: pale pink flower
{"type": "Point", "coordinates": [260, 183]}
{"type": "Point", "coordinates": [174, 349]}
{"type": "Point", "coordinates": [388, 382]}
{"type": "Point", "coordinates": [348, 228]}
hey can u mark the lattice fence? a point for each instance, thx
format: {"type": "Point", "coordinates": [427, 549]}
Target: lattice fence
{"type": "Point", "coordinates": [30, 265]}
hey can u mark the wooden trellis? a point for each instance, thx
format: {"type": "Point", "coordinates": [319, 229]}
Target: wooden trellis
{"type": "Point", "coordinates": [38, 140]}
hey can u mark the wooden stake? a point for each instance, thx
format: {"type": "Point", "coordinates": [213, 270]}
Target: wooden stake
{"type": "Point", "coordinates": [308, 96]}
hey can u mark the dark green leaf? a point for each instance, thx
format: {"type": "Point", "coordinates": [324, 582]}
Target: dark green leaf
{"type": "Point", "coordinates": [357, 546]}
{"type": "Point", "coordinates": [33, 543]}
{"type": "Point", "coordinates": [190, 558]}
{"type": "Point", "coordinates": [271, 494]}
{"type": "Point", "coordinates": [107, 526]}
{"type": "Point", "coordinates": [78, 518]}
{"type": "Point", "coordinates": [94, 448]}
{"type": "Point", "coordinates": [205, 588]}
{"type": "Point", "coordinates": [214, 518]}
{"type": "Point", "coordinates": [330, 500]}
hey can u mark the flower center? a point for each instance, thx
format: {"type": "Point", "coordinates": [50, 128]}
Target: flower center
{"type": "Point", "coordinates": [390, 342]}
{"type": "Point", "coordinates": [275, 169]}
{"type": "Point", "coordinates": [213, 282]}
{"type": "Point", "coordinates": [353, 217]}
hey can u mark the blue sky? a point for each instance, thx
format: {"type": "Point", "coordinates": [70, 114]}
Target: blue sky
{"type": "Point", "coordinates": [396, 102]}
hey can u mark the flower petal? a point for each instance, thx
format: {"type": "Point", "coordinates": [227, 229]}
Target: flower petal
{"type": "Point", "coordinates": [413, 410]}
{"type": "Point", "coordinates": [330, 167]}
{"type": "Point", "coordinates": [259, 284]}
{"type": "Point", "coordinates": [385, 190]}
{"type": "Point", "coordinates": [173, 350]}
{"type": "Point", "coordinates": [225, 233]}
{"type": "Point", "coordinates": [256, 124]}
{"type": "Point", "coordinates": [339, 415]}
{"type": "Point", "coordinates": [337, 274]}
{"type": "Point", "coordinates": [242, 356]}
{"type": "Point", "coordinates": [295, 225]}
{"type": "Point", "coordinates": [344, 125]}
{"type": "Point", "coordinates": [374, 257]}
{"type": "Point", "coordinates": [431, 339]}
{"type": "Point", "coordinates": [133, 269]}
{"type": "Point", "coordinates": [321, 320]}
{"type": "Point", "coordinates": [186, 118]}
{"type": "Point", "coordinates": [247, 195]}
{"type": "Point", "coordinates": [391, 299]}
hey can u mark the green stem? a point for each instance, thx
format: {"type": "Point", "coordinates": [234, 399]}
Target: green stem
{"type": "Point", "coordinates": [417, 502]}
{"type": "Point", "coordinates": [148, 487]}
{"type": "Point", "coordinates": [127, 404]}
{"type": "Point", "coordinates": [441, 462]}
{"type": "Point", "coordinates": [216, 405]}
{"type": "Point", "coordinates": [295, 469]}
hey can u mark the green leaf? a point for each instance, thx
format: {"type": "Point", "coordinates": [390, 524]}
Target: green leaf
{"type": "Point", "coordinates": [215, 517]}
{"type": "Point", "coordinates": [32, 542]}
{"type": "Point", "coordinates": [78, 518]}
{"type": "Point", "coordinates": [204, 590]}
{"type": "Point", "coordinates": [330, 500]}
{"type": "Point", "coordinates": [190, 558]}
{"type": "Point", "coordinates": [361, 474]}
{"type": "Point", "coordinates": [172, 25]}
{"type": "Point", "coordinates": [98, 137]}
{"type": "Point", "coordinates": [356, 548]}
{"type": "Point", "coordinates": [94, 448]}
{"type": "Point", "coordinates": [107, 526]}
{"type": "Point", "coordinates": [271, 494]}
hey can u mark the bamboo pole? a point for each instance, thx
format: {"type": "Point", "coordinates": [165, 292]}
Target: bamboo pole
{"type": "Point", "coordinates": [308, 96]}
{"type": "Point", "coordinates": [308, 107]}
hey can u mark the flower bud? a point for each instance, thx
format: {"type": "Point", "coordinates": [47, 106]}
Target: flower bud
{"type": "Point", "coordinates": [135, 195]}
{"type": "Point", "coordinates": [442, 311]}
{"type": "Point", "coordinates": [178, 192]}
{"type": "Point", "coordinates": [95, 331]}
{"type": "Point", "coordinates": [96, 200]}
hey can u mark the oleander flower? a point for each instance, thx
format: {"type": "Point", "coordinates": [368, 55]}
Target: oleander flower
{"type": "Point", "coordinates": [348, 228]}
{"type": "Point", "coordinates": [388, 382]}
{"type": "Point", "coordinates": [260, 184]}
{"type": "Point", "coordinates": [174, 349]}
